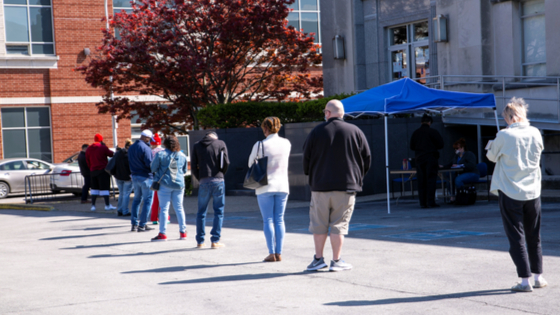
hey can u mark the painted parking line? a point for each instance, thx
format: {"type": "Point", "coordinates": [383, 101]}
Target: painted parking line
{"type": "Point", "coordinates": [435, 235]}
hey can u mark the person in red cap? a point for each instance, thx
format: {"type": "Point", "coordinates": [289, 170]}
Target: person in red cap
{"type": "Point", "coordinates": [96, 157]}
{"type": "Point", "coordinates": [155, 143]}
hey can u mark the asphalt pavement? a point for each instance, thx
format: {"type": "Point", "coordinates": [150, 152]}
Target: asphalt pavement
{"type": "Point", "coordinates": [448, 260]}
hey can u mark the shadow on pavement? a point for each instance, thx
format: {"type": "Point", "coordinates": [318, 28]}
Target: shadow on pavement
{"type": "Point", "coordinates": [144, 254]}
{"type": "Point", "coordinates": [187, 268]}
{"type": "Point", "coordinates": [259, 276]}
{"type": "Point", "coordinates": [420, 299]}
{"type": "Point", "coordinates": [99, 228]}
{"type": "Point", "coordinates": [102, 245]}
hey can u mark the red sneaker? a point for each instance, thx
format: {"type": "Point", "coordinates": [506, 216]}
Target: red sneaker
{"type": "Point", "coordinates": [183, 235]}
{"type": "Point", "coordinates": [159, 238]}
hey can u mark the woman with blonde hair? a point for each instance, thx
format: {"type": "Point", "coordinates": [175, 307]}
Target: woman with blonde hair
{"type": "Point", "coordinates": [517, 182]}
{"type": "Point", "coordinates": [272, 198]}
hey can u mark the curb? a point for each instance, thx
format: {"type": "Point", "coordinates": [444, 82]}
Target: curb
{"type": "Point", "coordinates": [9, 206]}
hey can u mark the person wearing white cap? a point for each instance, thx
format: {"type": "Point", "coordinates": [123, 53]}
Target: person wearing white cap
{"type": "Point", "coordinates": [140, 161]}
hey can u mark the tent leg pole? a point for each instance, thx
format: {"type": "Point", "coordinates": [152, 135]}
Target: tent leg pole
{"type": "Point", "coordinates": [387, 167]}
{"type": "Point", "coordinates": [497, 123]}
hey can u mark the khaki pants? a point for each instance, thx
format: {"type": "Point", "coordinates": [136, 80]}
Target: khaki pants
{"type": "Point", "coordinates": [331, 209]}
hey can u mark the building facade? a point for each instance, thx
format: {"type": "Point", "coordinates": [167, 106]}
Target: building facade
{"type": "Point", "coordinates": [504, 47]}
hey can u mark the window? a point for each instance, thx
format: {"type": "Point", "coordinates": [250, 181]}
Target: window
{"type": "Point", "coordinates": [29, 27]}
{"type": "Point", "coordinates": [533, 34]}
{"type": "Point", "coordinates": [36, 165]}
{"type": "Point", "coordinates": [409, 51]}
{"type": "Point", "coordinates": [305, 15]}
{"type": "Point", "coordinates": [13, 166]}
{"type": "Point", "coordinates": [26, 132]}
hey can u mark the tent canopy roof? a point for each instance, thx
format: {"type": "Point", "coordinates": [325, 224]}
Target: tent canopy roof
{"type": "Point", "coordinates": [407, 96]}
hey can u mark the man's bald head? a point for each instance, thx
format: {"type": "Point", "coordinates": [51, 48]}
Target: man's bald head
{"type": "Point", "coordinates": [335, 108]}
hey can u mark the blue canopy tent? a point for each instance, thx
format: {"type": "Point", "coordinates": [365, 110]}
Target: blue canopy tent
{"type": "Point", "coordinates": [408, 96]}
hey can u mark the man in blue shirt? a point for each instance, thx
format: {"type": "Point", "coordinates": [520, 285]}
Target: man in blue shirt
{"type": "Point", "coordinates": [140, 161]}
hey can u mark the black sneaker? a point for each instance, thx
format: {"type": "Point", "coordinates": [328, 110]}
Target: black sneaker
{"type": "Point", "coordinates": [119, 214]}
{"type": "Point", "coordinates": [134, 228]}
{"type": "Point", "coordinates": [144, 228]}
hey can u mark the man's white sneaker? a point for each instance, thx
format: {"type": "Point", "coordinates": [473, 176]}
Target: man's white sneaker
{"type": "Point", "coordinates": [92, 208]}
{"type": "Point", "coordinates": [110, 207]}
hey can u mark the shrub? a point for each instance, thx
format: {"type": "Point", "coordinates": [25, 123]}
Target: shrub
{"type": "Point", "coordinates": [250, 114]}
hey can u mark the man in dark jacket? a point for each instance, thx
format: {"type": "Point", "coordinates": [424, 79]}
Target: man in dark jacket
{"type": "Point", "coordinates": [84, 169]}
{"type": "Point", "coordinates": [426, 142]}
{"type": "Point", "coordinates": [209, 162]}
{"type": "Point", "coordinates": [336, 156]}
{"type": "Point", "coordinates": [124, 181]}
{"type": "Point", "coordinates": [140, 161]}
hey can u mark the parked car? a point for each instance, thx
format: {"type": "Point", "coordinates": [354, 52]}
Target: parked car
{"type": "Point", "coordinates": [68, 176]}
{"type": "Point", "coordinates": [14, 170]}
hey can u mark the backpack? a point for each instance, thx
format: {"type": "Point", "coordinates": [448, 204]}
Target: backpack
{"type": "Point", "coordinates": [466, 195]}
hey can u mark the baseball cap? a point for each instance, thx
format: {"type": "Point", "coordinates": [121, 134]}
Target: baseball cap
{"type": "Point", "coordinates": [147, 133]}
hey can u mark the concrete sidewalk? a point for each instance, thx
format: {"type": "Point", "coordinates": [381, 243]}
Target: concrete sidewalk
{"type": "Point", "coordinates": [449, 260]}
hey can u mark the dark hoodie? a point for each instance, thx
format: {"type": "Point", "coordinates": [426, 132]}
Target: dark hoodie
{"type": "Point", "coordinates": [205, 161]}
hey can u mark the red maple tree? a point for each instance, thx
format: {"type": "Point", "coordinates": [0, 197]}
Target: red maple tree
{"type": "Point", "coordinates": [198, 53]}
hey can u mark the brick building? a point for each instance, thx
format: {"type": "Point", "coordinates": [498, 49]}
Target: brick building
{"type": "Point", "coordinates": [47, 110]}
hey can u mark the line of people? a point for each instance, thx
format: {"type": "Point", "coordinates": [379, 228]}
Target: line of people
{"type": "Point", "coordinates": [336, 157]}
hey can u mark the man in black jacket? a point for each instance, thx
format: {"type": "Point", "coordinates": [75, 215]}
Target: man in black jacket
{"type": "Point", "coordinates": [426, 142]}
{"type": "Point", "coordinates": [84, 169]}
{"type": "Point", "coordinates": [336, 157]}
{"type": "Point", "coordinates": [124, 180]}
{"type": "Point", "coordinates": [209, 163]}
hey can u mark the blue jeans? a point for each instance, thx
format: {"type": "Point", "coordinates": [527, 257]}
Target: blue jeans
{"type": "Point", "coordinates": [167, 196]}
{"type": "Point", "coordinates": [216, 191]}
{"type": "Point", "coordinates": [273, 205]}
{"type": "Point", "coordinates": [463, 179]}
{"type": "Point", "coordinates": [125, 187]}
{"type": "Point", "coordinates": [142, 193]}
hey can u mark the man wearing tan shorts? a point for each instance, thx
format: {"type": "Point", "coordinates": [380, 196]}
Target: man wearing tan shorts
{"type": "Point", "coordinates": [336, 157]}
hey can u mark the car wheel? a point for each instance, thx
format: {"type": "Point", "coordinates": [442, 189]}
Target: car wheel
{"type": "Point", "coordinates": [4, 189]}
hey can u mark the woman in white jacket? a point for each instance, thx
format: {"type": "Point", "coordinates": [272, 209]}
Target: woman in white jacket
{"type": "Point", "coordinates": [517, 182]}
{"type": "Point", "coordinates": [272, 198]}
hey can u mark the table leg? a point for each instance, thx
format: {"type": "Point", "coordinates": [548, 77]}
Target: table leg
{"type": "Point", "coordinates": [402, 184]}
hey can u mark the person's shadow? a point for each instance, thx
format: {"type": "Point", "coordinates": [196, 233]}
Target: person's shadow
{"type": "Point", "coordinates": [417, 299]}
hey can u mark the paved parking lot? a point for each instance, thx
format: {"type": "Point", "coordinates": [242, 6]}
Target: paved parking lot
{"type": "Point", "coordinates": [451, 260]}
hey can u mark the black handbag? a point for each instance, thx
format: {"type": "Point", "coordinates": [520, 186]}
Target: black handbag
{"type": "Point", "coordinates": [257, 174]}
{"type": "Point", "coordinates": [466, 195]}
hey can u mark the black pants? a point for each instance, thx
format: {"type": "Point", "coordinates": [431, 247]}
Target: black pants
{"type": "Point", "coordinates": [100, 181]}
{"type": "Point", "coordinates": [85, 188]}
{"type": "Point", "coordinates": [427, 171]}
{"type": "Point", "coordinates": [522, 223]}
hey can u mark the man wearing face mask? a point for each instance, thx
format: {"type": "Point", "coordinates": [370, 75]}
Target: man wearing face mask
{"type": "Point", "coordinates": [426, 142]}
{"type": "Point", "coordinates": [140, 161]}
{"type": "Point", "coordinates": [466, 160]}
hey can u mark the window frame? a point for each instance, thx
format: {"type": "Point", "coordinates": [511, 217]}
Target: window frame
{"type": "Point", "coordinates": [299, 11]}
{"type": "Point", "coordinates": [26, 128]}
{"type": "Point", "coordinates": [30, 43]}
{"type": "Point", "coordinates": [410, 48]}
{"type": "Point", "coordinates": [521, 18]}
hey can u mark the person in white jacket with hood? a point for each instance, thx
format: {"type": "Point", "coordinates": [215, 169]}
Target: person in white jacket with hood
{"type": "Point", "coordinates": [272, 198]}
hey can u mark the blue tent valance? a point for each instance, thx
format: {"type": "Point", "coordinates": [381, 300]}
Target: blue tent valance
{"type": "Point", "coordinates": [406, 96]}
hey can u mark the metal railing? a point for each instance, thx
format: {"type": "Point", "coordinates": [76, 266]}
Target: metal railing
{"type": "Point", "coordinates": [48, 187]}
{"type": "Point", "coordinates": [542, 93]}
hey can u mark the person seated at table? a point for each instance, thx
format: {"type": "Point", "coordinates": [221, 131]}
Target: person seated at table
{"type": "Point", "coordinates": [467, 161]}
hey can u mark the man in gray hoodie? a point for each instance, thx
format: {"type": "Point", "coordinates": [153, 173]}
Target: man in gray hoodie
{"type": "Point", "coordinates": [209, 163]}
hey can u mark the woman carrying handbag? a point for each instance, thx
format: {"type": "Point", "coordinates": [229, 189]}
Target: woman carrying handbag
{"type": "Point", "coordinates": [272, 197]}
{"type": "Point", "coordinates": [170, 166]}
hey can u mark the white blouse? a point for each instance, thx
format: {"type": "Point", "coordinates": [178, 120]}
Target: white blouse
{"type": "Point", "coordinates": [277, 149]}
{"type": "Point", "coordinates": [517, 154]}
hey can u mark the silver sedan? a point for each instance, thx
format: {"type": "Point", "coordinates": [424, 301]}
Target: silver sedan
{"type": "Point", "coordinates": [13, 172]}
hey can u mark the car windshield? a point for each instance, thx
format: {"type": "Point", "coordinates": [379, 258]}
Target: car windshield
{"type": "Point", "coordinates": [72, 159]}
